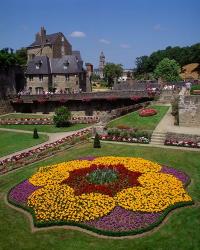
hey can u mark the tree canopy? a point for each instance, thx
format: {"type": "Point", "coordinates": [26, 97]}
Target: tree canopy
{"type": "Point", "coordinates": [168, 70]}
{"type": "Point", "coordinates": [111, 72]}
{"type": "Point", "coordinates": [182, 55]}
{"type": "Point", "coordinates": [10, 58]}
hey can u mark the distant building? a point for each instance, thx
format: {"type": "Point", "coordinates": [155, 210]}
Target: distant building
{"type": "Point", "coordinates": [53, 66]}
{"type": "Point", "coordinates": [126, 75]}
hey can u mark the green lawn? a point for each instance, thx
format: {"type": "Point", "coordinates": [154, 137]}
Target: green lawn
{"type": "Point", "coordinates": [46, 128]}
{"type": "Point", "coordinates": [133, 119]}
{"type": "Point", "coordinates": [180, 232]}
{"type": "Point", "coordinates": [11, 142]}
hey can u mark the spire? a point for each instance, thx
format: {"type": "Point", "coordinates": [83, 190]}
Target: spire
{"type": "Point", "coordinates": [101, 64]}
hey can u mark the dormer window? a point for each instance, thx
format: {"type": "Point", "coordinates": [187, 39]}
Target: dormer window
{"type": "Point", "coordinates": [66, 64]}
{"type": "Point", "coordinates": [38, 64]}
{"type": "Point", "coordinates": [77, 59]}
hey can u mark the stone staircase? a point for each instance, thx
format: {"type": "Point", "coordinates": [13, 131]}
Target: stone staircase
{"type": "Point", "coordinates": [158, 138]}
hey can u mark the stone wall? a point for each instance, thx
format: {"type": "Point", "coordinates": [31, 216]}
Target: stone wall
{"type": "Point", "coordinates": [52, 51]}
{"type": "Point", "coordinates": [46, 51]}
{"type": "Point", "coordinates": [189, 111]}
{"type": "Point", "coordinates": [57, 48]}
{"type": "Point", "coordinates": [5, 107]}
{"type": "Point", "coordinates": [11, 81]}
{"type": "Point", "coordinates": [71, 82]}
{"type": "Point", "coordinates": [167, 96]}
{"type": "Point", "coordinates": [37, 83]}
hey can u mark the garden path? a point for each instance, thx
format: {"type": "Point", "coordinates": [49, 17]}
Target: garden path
{"type": "Point", "coordinates": [52, 137]}
{"type": "Point", "coordinates": [167, 125]}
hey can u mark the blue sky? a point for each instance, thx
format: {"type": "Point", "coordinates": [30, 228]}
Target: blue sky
{"type": "Point", "coordinates": [122, 29]}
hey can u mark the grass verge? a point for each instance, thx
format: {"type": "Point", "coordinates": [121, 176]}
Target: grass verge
{"type": "Point", "coordinates": [11, 142]}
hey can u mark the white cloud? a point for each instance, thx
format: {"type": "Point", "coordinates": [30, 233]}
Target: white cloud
{"type": "Point", "coordinates": [78, 34]}
{"type": "Point", "coordinates": [157, 27]}
{"type": "Point", "coordinates": [125, 46]}
{"type": "Point", "coordinates": [104, 41]}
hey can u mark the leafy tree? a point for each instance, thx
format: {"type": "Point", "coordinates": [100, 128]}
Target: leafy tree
{"type": "Point", "coordinates": [95, 77]}
{"type": "Point", "coordinates": [97, 143]}
{"type": "Point", "coordinates": [35, 134]}
{"type": "Point", "coordinates": [168, 70]}
{"type": "Point", "coordinates": [111, 72]}
{"type": "Point", "coordinates": [21, 55]}
{"type": "Point", "coordinates": [61, 117]}
{"type": "Point", "coordinates": [183, 56]}
{"type": "Point", "coordinates": [8, 58]}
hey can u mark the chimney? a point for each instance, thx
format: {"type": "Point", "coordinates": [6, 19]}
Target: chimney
{"type": "Point", "coordinates": [43, 34]}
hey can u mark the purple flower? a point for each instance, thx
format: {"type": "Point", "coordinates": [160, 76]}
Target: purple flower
{"type": "Point", "coordinates": [88, 158]}
{"type": "Point", "coordinates": [22, 191]}
{"type": "Point", "coordinates": [177, 173]}
{"type": "Point", "coordinates": [120, 220]}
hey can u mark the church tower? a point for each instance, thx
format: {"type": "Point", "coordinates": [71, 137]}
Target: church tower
{"type": "Point", "coordinates": [101, 64]}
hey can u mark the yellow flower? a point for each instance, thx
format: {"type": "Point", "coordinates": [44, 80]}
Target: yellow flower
{"type": "Point", "coordinates": [55, 201]}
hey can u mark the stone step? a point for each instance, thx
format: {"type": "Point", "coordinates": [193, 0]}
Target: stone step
{"type": "Point", "coordinates": [158, 138]}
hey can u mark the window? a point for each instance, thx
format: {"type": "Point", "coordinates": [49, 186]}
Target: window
{"type": "Point", "coordinates": [39, 90]}
{"type": "Point", "coordinates": [67, 77]}
{"type": "Point", "coordinates": [30, 78]}
{"type": "Point", "coordinates": [66, 64]}
{"type": "Point", "coordinates": [41, 77]}
{"type": "Point", "coordinates": [54, 76]}
{"type": "Point", "coordinates": [38, 64]}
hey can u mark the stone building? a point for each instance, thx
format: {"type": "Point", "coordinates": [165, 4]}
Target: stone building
{"type": "Point", "coordinates": [53, 66]}
{"type": "Point", "coordinates": [53, 45]}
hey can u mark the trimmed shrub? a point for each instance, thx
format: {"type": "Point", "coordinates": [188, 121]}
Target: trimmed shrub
{"type": "Point", "coordinates": [35, 134]}
{"type": "Point", "coordinates": [97, 143]}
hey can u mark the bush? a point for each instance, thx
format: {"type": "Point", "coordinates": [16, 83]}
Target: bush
{"type": "Point", "coordinates": [35, 134]}
{"type": "Point", "coordinates": [61, 117]}
{"type": "Point", "coordinates": [97, 143]}
{"type": "Point", "coordinates": [175, 111]}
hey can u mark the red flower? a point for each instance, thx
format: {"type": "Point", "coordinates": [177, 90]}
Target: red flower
{"type": "Point", "coordinates": [147, 112]}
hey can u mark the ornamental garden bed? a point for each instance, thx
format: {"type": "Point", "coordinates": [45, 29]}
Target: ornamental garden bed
{"type": "Point", "coordinates": [147, 112]}
{"type": "Point", "coordinates": [125, 134]}
{"type": "Point", "coordinates": [113, 196]}
{"type": "Point", "coordinates": [47, 121]}
{"type": "Point", "coordinates": [182, 140]}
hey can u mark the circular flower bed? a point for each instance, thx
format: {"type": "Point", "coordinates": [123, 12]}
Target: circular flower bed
{"type": "Point", "coordinates": [147, 112]}
{"type": "Point", "coordinates": [109, 195]}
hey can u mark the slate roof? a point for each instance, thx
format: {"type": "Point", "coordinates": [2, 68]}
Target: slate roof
{"type": "Point", "coordinates": [50, 39]}
{"type": "Point", "coordinates": [74, 65]}
{"type": "Point", "coordinates": [55, 65]}
{"type": "Point", "coordinates": [44, 69]}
